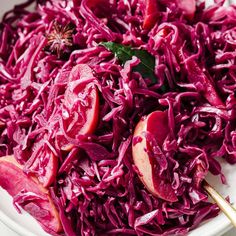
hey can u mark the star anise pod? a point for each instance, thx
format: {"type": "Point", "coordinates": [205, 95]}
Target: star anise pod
{"type": "Point", "coordinates": [60, 39]}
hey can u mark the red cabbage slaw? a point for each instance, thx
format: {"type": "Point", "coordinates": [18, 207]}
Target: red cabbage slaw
{"type": "Point", "coordinates": [96, 188]}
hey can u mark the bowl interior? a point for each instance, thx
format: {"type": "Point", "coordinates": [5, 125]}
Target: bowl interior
{"type": "Point", "coordinates": [23, 224]}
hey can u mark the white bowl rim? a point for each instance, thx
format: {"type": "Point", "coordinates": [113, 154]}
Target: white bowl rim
{"type": "Point", "coordinates": [16, 227]}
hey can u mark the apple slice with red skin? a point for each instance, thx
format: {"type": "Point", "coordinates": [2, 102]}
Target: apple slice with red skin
{"type": "Point", "coordinates": [43, 163]}
{"type": "Point", "coordinates": [2, 124]}
{"type": "Point", "coordinates": [15, 181]}
{"type": "Point", "coordinates": [188, 7]}
{"type": "Point", "coordinates": [81, 103]}
{"type": "Point", "coordinates": [151, 14]}
{"type": "Point", "coordinates": [81, 96]}
{"type": "Point", "coordinates": [157, 124]}
{"type": "Point", "coordinates": [49, 165]}
{"type": "Point", "coordinates": [50, 171]}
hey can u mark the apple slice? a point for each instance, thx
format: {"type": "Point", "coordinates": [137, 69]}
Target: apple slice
{"type": "Point", "coordinates": [2, 124]}
{"type": "Point", "coordinates": [188, 7]}
{"type": "Point", "coordinates": [43, 159]}
{"type": "Point", "coordinates": [16, 183]}
{"type": "Point", "coordinates": [155, 123]}
{"type": "Point", "coordinates": [80, 111]}
{"type": "Point", "coordinates": [81, 97]}
{"type": "Point", "coordinates": [151, 14]}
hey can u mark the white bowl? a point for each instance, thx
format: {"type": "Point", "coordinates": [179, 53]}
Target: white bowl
{"type": "Point", "coordinates": [23, 224]}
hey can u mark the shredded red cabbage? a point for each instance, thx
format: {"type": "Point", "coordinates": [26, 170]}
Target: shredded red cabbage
{"type": "Point", "coordinates": [95, 185]}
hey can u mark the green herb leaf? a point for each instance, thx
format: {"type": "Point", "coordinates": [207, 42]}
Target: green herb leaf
{"type": "Point", "coordinates": [125, 53]}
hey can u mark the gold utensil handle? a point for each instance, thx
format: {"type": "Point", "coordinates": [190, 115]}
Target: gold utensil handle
{"type": "Point", "coordinates": [225, 206]}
